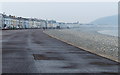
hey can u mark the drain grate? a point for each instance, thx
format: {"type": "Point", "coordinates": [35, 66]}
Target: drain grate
{"type": "Point", "coordinates": [43, 57]}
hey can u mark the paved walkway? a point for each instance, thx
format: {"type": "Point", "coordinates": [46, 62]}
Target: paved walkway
{"type": "Point", "coordinates": [32, 51]}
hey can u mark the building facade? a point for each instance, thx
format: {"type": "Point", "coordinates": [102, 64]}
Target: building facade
{"type": "Point", "coordinates": [13, 22]}
{"type": "Point", "coordinates": [1, 20]}
{"type": "Point", "coordinates": [51, 24]}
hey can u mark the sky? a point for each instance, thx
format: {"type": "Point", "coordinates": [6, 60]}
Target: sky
{"type": "Point", "coordinates": [83, 12]}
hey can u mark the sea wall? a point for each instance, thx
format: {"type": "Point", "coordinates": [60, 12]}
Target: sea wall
{"type": "Point", "coordinates": [103, 45]}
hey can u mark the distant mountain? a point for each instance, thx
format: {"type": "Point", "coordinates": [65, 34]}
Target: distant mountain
{"type": "Point", "coordinates": [109, 20]}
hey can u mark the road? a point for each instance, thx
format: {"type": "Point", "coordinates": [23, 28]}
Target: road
{"type": "Point", "coordinates": [32, 51]}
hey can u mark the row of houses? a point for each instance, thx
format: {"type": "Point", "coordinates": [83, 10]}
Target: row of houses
{"type": "Point", "coordinates": [13, 22]}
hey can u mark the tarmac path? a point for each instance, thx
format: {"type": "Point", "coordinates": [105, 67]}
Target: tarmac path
{"type": "Point", "coordinates": [32, 51]}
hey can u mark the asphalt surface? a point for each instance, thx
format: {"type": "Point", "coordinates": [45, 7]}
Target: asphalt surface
{"type": "Point", "coordinates": [32, 51]}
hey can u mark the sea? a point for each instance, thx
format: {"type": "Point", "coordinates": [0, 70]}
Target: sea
{"type": "Point", "coordinates": [111, 30]}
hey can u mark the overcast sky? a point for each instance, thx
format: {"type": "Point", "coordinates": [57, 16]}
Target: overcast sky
{"type": "Point", "coordinates": [84, 12]}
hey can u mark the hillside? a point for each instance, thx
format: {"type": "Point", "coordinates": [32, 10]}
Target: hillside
{"type": "Point", "coordinates": [109, 20]}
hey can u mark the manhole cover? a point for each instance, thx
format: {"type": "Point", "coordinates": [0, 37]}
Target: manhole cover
{"type": "Point", "coordinates": [43, 57]}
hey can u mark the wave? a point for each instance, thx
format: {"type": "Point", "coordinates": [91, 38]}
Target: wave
{"type": "Point", "coordinates": [109, 32]}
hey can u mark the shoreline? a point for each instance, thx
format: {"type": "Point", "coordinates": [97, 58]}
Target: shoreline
{"type": "Point", "coordinates": [107, 32]}
{"type": "Point", "coordinates": [94, 42]}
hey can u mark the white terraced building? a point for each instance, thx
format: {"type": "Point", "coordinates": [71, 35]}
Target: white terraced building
{"type": "Point", "coordinates": [13, 22]}
{"type": "Point", "coordinates": [1, 20]}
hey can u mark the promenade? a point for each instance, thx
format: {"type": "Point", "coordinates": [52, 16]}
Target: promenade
{"type": "Point", "coordinates": [32, 51]}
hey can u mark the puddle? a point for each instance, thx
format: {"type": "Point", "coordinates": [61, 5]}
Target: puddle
{"type": "Point", "coordinates": [103, 64]}
{"type": "Point", "coordinates": [43, 57]}
{"type": "Point", "coordinates": [36, 41]}
{"type": "Point", "coordinates": [79, 52]}
{"type": "Point", "coordinates": [9, 51]}
{"type": "Point", "coordinates": [14, 43]}
{"type": "Point", "coordinates": [70, 66]}
{"type": "Point", "coordinates": [28, 49]}
{"type": "Point", "coordinates": [109, 73]}
{"type": "Point", "coordinates": [52, 52]}
{"type": "Point", "coordinates": [91, 57]}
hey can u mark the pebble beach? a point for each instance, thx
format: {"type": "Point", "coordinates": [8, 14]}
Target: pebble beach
{"type": "Point", "coordinates": [100, 44]}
